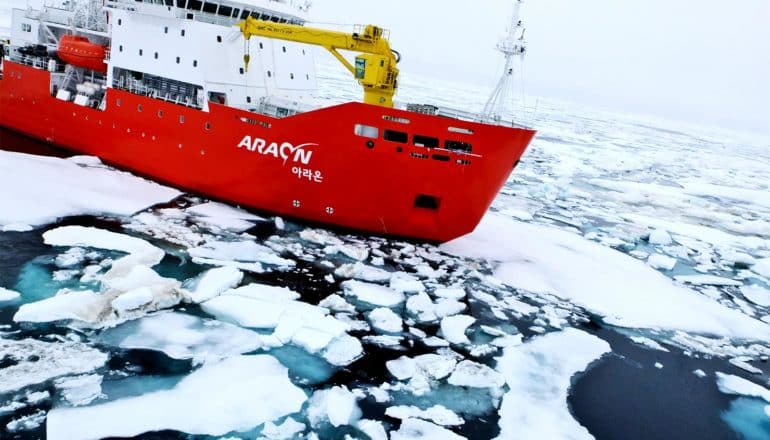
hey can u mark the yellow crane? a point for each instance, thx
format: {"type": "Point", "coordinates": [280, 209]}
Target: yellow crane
{"type": "Point", "coordinates": [375, 69]}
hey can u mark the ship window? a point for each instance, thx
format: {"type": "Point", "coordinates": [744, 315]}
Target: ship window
{"type": "Point", "coordinates": [160, 113]}
{"type": "Point", "coordinates": [180, 3]}
{"type": "Point", "coordinates": [240, 70]}
{"type": "Point", "coordinates": [141, 52]}
{"type": "Point", "coordinates": [119, 102]}
{"type": "Point", "coordinates": [165, 30]}
{"type": "Point", "coordinates": [225, 11]}
{"type": "Point", "coordinates": [245, 14]}
{"type": "Point", "coordinates": [120, 21]}
{"type": "Point", "coordinates": [284, 49]}
{"type": "Point", "coordinates": [269, 74]}
{"type": "Point", "coordinates": [291, 75]}
{"type": "Point", "coordinates": [195, 5]}
{"type": "Point", "coordinates": [120, 48]}
{"type": "Point", "coordinates": [178, 60]}
{"type": "Point", "coordinates": [219, 38]}
{"type": "Point", "coordinates": [195, 63]}
{"type": "Point", "coordinates": [156, 55]}
{"type": "Point", "coordinates": [396, 119]}
{"type": "Point", "coordinates": [425, 141]}
{"type": "Point", "coordinates": [236, 12]}
{"type": "Point", "coordinates": [26, 27]}
{"type": "Point", "coordinates": [395, 136]}
{"type": "Point", "coordinates": [261, 46]}
{"type": "Point", "coordinates": [307, 76]}
{"type": "Point", "coordinates": [366, 131]}
{"type": "Point", "coordinates": [248, 99]}
{"type": "Point", "coordinates": [441, 157]}
{"type": "Point", "coordinates": [458, 146]}
{"type": "Point", "coordinates": [303, 51]}
{"type": "Point", "coordinates": [181, 119]}
{"type": "Point", "coordinates": [182, 33]}
{"type": "Point", "coordinates": [426, 202]}
{"type": "Point", "coordinates": [207, 126]}
{"type": "Point", "coordinates": [139, 108]}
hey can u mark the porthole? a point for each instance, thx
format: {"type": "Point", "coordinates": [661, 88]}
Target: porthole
{"type": "Point", "coordinates": [120, 48]}
{"type": "Point", "coordinates": [207, 126]}
{"type": "Point", "coordinates": [178, 60]}
{"type": "Point", "coordinates": [141, 52]}
{"type": "Point", "coordinates": [182, 33]}
{"type": "Point", "coordinates": [269, 74]}
{"type": "Point", "coordinates": [139, 108]}
{"type": "Point", "coordinates": [291, 75]}
{"type": "Point", "coordinates": [119, 102]}
{"type": "Point", "coordinates": [160, 113]}
{"type": "Point", "coordinates": [284, 49]}
{"type": "Point", "coordinates": [120, 22]}
{"type": "Point", "coordinates": [195, 63]}
{"type": "Point", "coordinates": [219, 38]}
{"type": "Point", "coordinates": [156, 55]}
{"type": "Point", "coordinates": [181, 119]}
{"type": "Point", "coordinates": [165, 30]}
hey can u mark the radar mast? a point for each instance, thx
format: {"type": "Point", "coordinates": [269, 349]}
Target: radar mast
{"type": "Point", "coordinates": [513, 46]}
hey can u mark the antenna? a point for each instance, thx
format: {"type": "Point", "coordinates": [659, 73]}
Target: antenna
{"type": "Point", "coordinates": [513, 46]}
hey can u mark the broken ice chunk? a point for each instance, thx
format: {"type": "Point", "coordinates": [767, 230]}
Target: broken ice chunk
{"type": "Point", "coordinates": [437, 414]}
{"type": "Point", "coordinates": [707, 280]}
{"type": "Point", "coordinates": [8, 295]}
{"type": "Point", "coordinates": [80, 390]}
{"type": "Point", "coordinates": [416, 429]}
{"type": "Point", "coordinates": [475, 375]}
{"type": "Point", "coordinates": [735, 385]}
{"type": "Point", "coordinates": [453, 328]}
{"type": "Point", "coordinates": [241, 251]}
{"type": "Point", "coordinates": [373, 294]}
{"type": "Point", "coordinates": [384, 320]}
{"type": "Point", "coordinates": [658, 261]}
{"type": "Point", "coordinates": [362, 272]}
{"type": "Point", "coordinates": [132, 300]}
{"type": "Point", "coordinates": [213, 283]}
{"type": "Point", "coordinates": [336, 406]}
{"type": "Point", "coordinates": [660, 237]}
{"type": "Point", "coordinates": [756, 294]}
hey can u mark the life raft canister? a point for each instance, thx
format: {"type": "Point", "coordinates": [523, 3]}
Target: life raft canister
{"type": "Point", "coordinates": [79, 51]}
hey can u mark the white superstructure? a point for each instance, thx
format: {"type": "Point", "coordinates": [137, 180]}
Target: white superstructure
{"type": "Point", "coordinates": [186, 51]}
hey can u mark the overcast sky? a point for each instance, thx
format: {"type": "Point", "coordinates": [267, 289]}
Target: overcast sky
{"type": "Point", "coordinates": [703, 61]}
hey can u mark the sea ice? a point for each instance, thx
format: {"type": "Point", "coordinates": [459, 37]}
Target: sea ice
{"type": "Point", "coordinates": [402, 368]}
{"type": "Point", "coordinates": [707, 280]}
{"type": "Point", "coordinates": [538, 374]}
{"type": "Point", "coordinates": [436, 414]}
{"type": "Point", "coordinates": [547, 260]}
{"type": "Point", "coordinates": [8, 295]}
{"type": "Point", "coordinates": [240, 392]}
{"type": "Point", "coordinates": [385, 320]}
{"type": "Point", "coordinates": [756, 294]}
{"type": "Point", "coordinates": [743, 364]}
{"type": "Point", "coordinates": [80, 189]}
{"type": "Point", "coordinates": [287, 430]}
{"type": "Point", "coordinates": [649, 343]}
{"type": "Point", "coordinates": [416, 429]}
{"type": "Point", "coordinates": [240, 251]}
{"type": "Point", "coordinates": [223, 216]}
{"type": "Point", "coordinates": [80, 390]}
{"type": "Point", "coordinates": [182, 336]}
{"type": "Point", "coordinates": [132, 300]}
{"type": "Point", "coordinates": [735, 385]}
{"type": "Point", "coordinates": [373, 294]}
{"type": "Point", "coordinates": [363, 272]}
{"type": "Point", "coordinates": [28, 422]}
{"type": "Point", "coordinates": [453, 328]}
{"type": "Point", "coordinates": [337, 406]}
{"type": "Point", "coordinates": [471, 374]}
{"type": "Point", "coordinates": [658, 261]}
{"type": "Point", "coordinates": [140, 251]}
{"type": "Point", "coordinates": [37, 361]}
{"type": "Point", "coordinates": [214, 282]}
{"type": "Point", "coordinates": [373, 429]}
{"type": "Point", "coordinates": [660, 237]}
{"type": "Point", "coordinates": [762, 267]}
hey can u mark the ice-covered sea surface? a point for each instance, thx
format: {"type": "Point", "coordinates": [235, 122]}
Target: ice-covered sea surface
{"type": "Point", "coordinates": [619, 287]}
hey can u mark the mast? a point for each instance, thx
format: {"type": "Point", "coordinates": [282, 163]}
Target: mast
{"type": "Point", "coordinates": [513, 46]}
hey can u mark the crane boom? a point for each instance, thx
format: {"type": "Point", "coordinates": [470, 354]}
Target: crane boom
{"type": "Point", "coordinates": [375, 69]}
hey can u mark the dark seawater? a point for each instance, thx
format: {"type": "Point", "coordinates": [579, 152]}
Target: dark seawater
{"type": "Point", "coordinates": [623, 395]}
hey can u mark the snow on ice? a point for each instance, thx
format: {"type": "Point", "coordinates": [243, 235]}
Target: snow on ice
{"type": "Point", "coordinates": [36, 361]}
{"type": "Point", "coordinates": [8, 295]}
{"type": "Point", "coordinates": [373, 294]}
{"type": "Point", "coordinates": [416, 429]}
{"type": "Point", "coordinates": [182, 336]}
{"type": "Point", "coordinates": [730, 384]}
{"type": "Point", "coordinates": [547, 260]}
{"type": "Point", "coordinates": [538, 375]}
{"type": "Point", "coordinates": [237, 394]}
{"type": "Point", "coordinates": [80, 189]}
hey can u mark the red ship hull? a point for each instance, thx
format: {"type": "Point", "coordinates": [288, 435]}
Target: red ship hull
{"type": "Point", "coordinates": [310, 166]}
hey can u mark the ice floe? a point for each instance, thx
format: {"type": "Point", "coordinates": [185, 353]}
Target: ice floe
{"type": "Point", "coordinates": [287, 430]}
{"type": "Point", "coordinates": [223, 216]}
{"type": "Point", "coordinates": [80, 390]}
{"type": "Point", "coordinates": [238, 251]}
{"type": "Point", "coordinates": [730, 384]}
{"type": "Point", "coordinates": [373, 294]}
{"type": "Point", "coordinates": [756, 294]}
{"type": "Point", "coordinates": [237, 394]}
{"type": "Point", "coordinates": [305, 325]}
{"type": "Point", "coordinates": [8, 295]}
{"type": "Point", "coordinates": [213, 283]}
{"type": "Point", "coordinates": [80, 189]}
{"type": "Point", "coordinates": [453, 328]}
{"type": "Point", "coordinates": [437, 414]}
{"type": "Point", "coordinates": [416, 429]}
{"type": "Point", "coordinates": [182, 336]}
{"type": "Point", "coordinates": [384, 320]}
{"type": "Point", "coordinates": [547, 260]}
{"type": "Point", "coordinates": [37, 361]}
{"type": "Point", "coordinates": [538, 374]}
{"type": "Point", "coordinates": [336, 406]}
{"type": "Point", "coordinates": [139, 251]}
{"type": "Point", "coordinates": [707, 280]}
